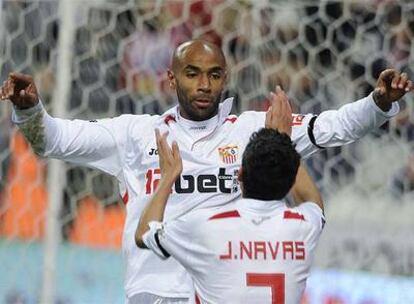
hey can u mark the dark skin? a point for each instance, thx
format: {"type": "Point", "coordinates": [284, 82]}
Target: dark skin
{"type": "Point", "coordinates": [198, 74]}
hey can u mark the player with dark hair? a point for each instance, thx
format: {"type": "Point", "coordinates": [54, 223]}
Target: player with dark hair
{"type": "Point", "coordinates": [260, 251]}
{"type": "Point", "coordinates": [211, 141]}
{"type": "Point", "coordinates": [269, 166]}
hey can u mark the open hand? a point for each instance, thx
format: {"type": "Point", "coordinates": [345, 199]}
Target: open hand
{"type": "Point", "coordinates": [391, 86]}
{"type": "Point", "coordinates": [20, 89]}
{"type": "Point", "coordinates": [171, 164]}
{"type": "Point", "coordinates": [279, 114]}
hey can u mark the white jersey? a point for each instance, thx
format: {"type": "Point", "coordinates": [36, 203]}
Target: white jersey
{"type": "Point", "coordinates": [260, 252]}
{"type": "Point", "coordinates": [125, 147]}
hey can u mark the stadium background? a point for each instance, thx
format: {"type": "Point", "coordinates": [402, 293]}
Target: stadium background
{"type": "Point", "coordinates": [60, 224]}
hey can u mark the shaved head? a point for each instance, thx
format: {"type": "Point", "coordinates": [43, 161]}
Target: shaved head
{"type": "Point", "coordinates": [198, 74]}
{"type": "Point", "coordinates": [188, 48]}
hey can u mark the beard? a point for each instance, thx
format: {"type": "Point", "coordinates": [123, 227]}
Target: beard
{"type": "Point", "coordinates": [189, 108]}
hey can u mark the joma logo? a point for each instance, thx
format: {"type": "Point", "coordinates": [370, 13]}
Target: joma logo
{"type": "Point", "coordinates": [153, 152]}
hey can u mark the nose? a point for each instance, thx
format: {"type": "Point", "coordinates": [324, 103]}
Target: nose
{"type": "Point", "coordinates": [204, 84]}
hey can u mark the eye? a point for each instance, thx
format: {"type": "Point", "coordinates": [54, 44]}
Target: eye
{"type": "Point", "coordinates": [191, 74]}
{"type": "Point", "coordinates": [215, 75]}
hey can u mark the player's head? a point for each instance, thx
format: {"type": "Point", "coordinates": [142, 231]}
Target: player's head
{"type": "Point", "coordinates": [269, 166]}
{"type": "Point", "coordinates": [198, 74]}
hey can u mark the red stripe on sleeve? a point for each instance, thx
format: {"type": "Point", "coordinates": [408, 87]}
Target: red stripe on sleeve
{"type": "Point", "coordinates": [231, 119]}
{"type": "Point", "coordinates": [169, 118]}
{"type": "Point", "coordinates": [293, 215]}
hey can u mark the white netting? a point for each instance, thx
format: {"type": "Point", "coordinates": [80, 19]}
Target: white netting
{"type": "Point", "coordinates": [323, 53]}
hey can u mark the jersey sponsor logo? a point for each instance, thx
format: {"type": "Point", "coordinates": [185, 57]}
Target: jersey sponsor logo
{"type": "Point", "coordinates": [203, 183]}
{"type": "Point", "coordinates": [228, 154]}
{"type": "Point", "coordinates": [153, 152]}
{"type": "Point", "coordinates": [264, 250]}
{"type": "Point", "coordinates": [93, 120]}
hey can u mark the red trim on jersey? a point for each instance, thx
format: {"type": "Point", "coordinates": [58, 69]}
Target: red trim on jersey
{"type": "Point", "coordinates": [125, 198]}
{"type": "Point", "coordinates": [197, 299]}
{"type": "Point", "coordinates": [227, 214]}
{"type": "Point", "coordinates": [297, 120]}
{"type": "Point", "coordinates": [293, 215]}
{"type": "Point", "coordinates": [169, 118]}
{"type": "Point", "coordinates": [231, 119]}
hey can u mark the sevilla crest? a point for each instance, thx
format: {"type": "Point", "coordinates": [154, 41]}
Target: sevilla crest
{"type": "Point", "coordinates": [228, 154]}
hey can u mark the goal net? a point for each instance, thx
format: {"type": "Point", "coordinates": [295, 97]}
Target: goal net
{"type": "Point", "coordinates": [61, 225]}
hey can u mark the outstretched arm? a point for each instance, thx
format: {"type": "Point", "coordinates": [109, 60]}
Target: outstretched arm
{"type": "Point", "coordinates": [95, 144]}
{"type": "Point", "coordinates": [171, 167]}
{"type": "Point", "coordinates": [354, 120]}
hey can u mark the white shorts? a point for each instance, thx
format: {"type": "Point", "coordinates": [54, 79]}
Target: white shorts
{"type": "Point", "coordinates": [149, 298]}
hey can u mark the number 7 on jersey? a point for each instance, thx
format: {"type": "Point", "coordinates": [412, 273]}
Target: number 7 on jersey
{"type": "Point", "coordinates": [276, 281]}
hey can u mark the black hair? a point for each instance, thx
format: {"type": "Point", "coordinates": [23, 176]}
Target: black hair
{"type": "Point", "coordinates": [269, 166]}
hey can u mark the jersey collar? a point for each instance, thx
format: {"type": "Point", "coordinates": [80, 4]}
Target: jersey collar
{"type": "Point", "coordinates": [171, 115]}
{"type": "Point", "coordinates": [258, 207]}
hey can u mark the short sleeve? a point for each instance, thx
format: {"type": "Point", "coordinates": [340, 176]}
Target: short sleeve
{"type": "Point", "coordinates": [151, 239]}
{"type": "Point", "coordinates": [313, 214]}
{"type": "Point", "coordinates": [171, 238]}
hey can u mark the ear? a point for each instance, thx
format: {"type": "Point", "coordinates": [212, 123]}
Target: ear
{"type": "Point", "coordinates": [240, 175]}
{"type": "Point", "coordinates": [240, 179]}
{"type": "Point", "coordinates": [171, 79]}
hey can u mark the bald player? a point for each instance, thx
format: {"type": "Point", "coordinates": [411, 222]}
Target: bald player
{"type": "Point", "coordinates": [211, 142]}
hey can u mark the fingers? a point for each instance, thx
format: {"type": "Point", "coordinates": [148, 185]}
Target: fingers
{"type": "Point", "coordinates": [279, 115]}
{"type": "Point", "coordinates": [15, 76]}
{"type": "Point", "coordinates": [175, 149]}
{"type": "Point", "coordinates": [402, 80]}
{"type": "Point", "coordinates": [7, 90]}
{"type": "Point", "coordinates": [176, 154]}
{"type": "Point", "coordinates": [404, 83]}
{"type": "Point", "coordinates": [268, 120]}
{"type": "Point", "coordinates": [277, 104]}
{"type": "Point", "coordinates": [286, 108]}
{"type": "Point", "coordinates": [380, 91]}
{"type": "Point", "coordinates": [164, 151]}
{"type": "Point", "coordinates": [409, 86]}
{"type": "Point", "coordinates": [387, 75]}
{"type": "Point", "coordinates": [395, 81]}
{"type": "Point", "coordinates": [157, 138]}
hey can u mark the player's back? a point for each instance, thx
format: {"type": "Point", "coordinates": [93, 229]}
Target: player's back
{"type": "Point", "coordinates": [260, 252]}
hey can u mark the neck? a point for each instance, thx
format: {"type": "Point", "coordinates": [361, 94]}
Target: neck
{"type": "Point", "coordinates": [197, 119]}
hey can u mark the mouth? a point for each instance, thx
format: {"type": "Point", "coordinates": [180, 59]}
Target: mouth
{"type": "Point", "coordinates": [203, 102]}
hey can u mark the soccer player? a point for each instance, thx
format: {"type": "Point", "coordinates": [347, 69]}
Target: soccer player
{"type": "Point", "coordinates": [211, 141]}
{"type": "Point", "coordinates": [260, 251]}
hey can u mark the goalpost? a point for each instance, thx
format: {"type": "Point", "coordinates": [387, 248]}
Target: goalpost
{"type": "Point", "coordinates": [56, 176]}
